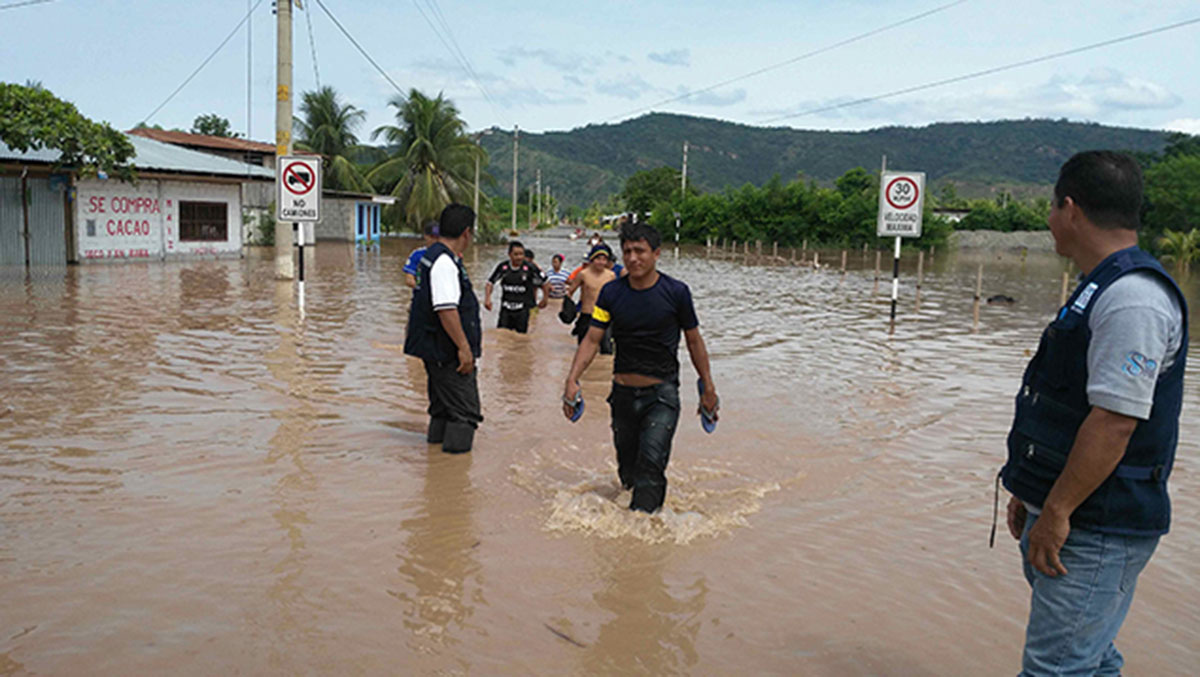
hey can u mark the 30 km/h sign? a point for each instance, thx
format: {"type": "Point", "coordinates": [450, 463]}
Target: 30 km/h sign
{"type": "Point", "coordinates": [901, 196]}
{"type": "Point", "coordinates": [299, 188]}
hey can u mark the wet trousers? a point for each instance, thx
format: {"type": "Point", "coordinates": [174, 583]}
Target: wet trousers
{"type": "Point", "coordinates": [516, 320]}
{"type": "Point", "coordinates": [643, 425]}
{"type": "Point", "coordinates": [454, 410]}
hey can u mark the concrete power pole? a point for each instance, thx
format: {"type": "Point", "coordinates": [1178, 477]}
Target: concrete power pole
{"type": "Point", "coordinates": [516, 143]}
{"type": "Point", "coordinates": [531, 210]}
{"type": "Point", "coordinates": [539, 193]}
{"type": "Point", "coordinates": [683, 180]}
{"type": "Point", "coordinates": [283, 127]}
{"type": "Point", "coordinates": [477, 192]}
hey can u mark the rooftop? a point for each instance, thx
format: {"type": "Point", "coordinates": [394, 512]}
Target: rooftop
{"type": "Point", "coordinates": [156, 156]}
{"type": "Point", "coordinates": [203, 140]}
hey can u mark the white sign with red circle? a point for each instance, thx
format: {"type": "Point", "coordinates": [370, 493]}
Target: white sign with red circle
{"type": "Point", "coordinates": [901, 197]}
{"type": "Point", "coordinates": [299, 188]}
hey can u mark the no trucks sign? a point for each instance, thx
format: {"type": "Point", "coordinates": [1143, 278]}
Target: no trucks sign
{"type": "Point", "coordinates": [901, 196]}
{"type": "Point", "coordinates": [299, 188]}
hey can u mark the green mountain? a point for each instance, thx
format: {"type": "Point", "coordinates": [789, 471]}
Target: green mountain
{"type": "Point", "coordinates": [590, 163]}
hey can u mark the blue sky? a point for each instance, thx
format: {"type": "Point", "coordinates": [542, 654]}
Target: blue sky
{"type": "Point", "coordinates": [560, 65]}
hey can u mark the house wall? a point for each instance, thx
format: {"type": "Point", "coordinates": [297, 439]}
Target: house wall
{"type": "Point", "coordinates": [337, 219]}
{"type": "Point", "coordinates": [120, 221]}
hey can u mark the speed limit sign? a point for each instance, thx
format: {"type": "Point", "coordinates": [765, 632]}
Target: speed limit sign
{"type": "Point", "coordinates": [901, 196]}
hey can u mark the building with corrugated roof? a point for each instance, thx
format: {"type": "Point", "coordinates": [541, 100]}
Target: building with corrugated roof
{"type": "Point", "coordinates": [184, 204]}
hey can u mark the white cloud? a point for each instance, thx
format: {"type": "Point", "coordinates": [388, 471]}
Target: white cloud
{"type": "Point", "coordinates": [558, 60]}
{"type": "Point", "coordinates": [727, 98]}
{"type": "Point", "coordinates": [1186, 125]}
{"type": "Point", "coordinates": [625, 87]}
{"type": "Point", "coordinates": [674, 57]}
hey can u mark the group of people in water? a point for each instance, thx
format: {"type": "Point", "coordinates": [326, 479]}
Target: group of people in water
{"type": "Point", "coordinates": [1090, 449]}
{"type": "Point", "coordinates": [634, 306]}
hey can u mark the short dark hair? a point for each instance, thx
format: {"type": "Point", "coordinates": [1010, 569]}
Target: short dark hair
{"type": "Point", "coordinates": [513, 244]}
{"type": "Point", "coordinates": [632, 231]}
{"type": "Point", "coordinates": [431, 227]}
{"type": "Point", "coordinates": [1106, 185]}
{"type": "Point", "coordinates": [455, 220]}
{"type": "Point", "coordinates": [529, 254]}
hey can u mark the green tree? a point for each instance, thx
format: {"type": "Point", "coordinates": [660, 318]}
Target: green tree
{"type": "Point", "coordinates": [648, 187]}
{"type": "Point", "coordinates": [434, 163]}
{"type": "Point", "coordinates": [1181, 247]}
{"type": "Point", "coordinates": [327, 128]}
{"type": "Point", "coordinates": [32, 118]}
{"type": "Point", "coordinates": [213, 125]}
{"type": "Point", "coordinates": [1173, 194]}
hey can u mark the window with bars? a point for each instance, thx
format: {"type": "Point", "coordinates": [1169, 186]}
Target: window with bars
{"type": "Point", "coordinates": [203, 221]}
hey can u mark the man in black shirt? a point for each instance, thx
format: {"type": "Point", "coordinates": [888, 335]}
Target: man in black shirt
{"type": "Point", "coordinates": [519, 282]}
{"type": "Point", "coordinates": [646, 310]}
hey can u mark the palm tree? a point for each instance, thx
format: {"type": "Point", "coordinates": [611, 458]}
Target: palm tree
{"type": "Point", "coordinates": [1181, 247]}
{"type": "Point", "coordinates": [327, 128]}
{"type": "Point", "coordinates": [434, 161]}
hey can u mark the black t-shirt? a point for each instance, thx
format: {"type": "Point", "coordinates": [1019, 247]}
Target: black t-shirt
{"type": "Point", "coordinates": [646, 324]}
{"type": "Point", "coordinates": [516, 284]}
{"type": "Point", "coordinates": [539, 279]}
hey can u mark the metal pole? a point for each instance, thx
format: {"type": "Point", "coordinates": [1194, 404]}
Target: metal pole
{"type": "Point", "coordinates": [516, 144]}
{"type": "Point", "coordinates": [283, 127]}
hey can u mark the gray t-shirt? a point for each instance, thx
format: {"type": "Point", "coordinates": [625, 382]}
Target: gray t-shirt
{"type": "Point", "coordinates": [1137, 328]}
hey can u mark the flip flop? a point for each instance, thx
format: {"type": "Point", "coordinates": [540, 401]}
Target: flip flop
{"type": "Point", "coordinates": [707, 418]}
{"type": "Point", "coordinates": [578, 404]}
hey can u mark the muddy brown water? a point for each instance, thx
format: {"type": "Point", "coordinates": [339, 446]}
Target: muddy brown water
{"type": "Point", "coordinates": [196, 480]}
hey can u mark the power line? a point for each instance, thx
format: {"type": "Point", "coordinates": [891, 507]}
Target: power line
{"type": "Point", "coordinates": [360, 48]}
{"type": "Point", "coordinates": [455, 51]}
{"type": "Point", "coordinates": [27, 3]}
{"type": "Point", "coordinates": [987, 71]}
{"type": "Point", "coordinates": [312, 45]}
{"type": "Point", "coordinates": [806, 55]}
{"type": "Point", "coordinates": [205, 62]}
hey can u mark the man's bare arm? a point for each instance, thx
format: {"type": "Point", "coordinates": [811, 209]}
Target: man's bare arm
{"type": "Point", "coordinates": [699, 354]}
{"type": "Point", "coordinates": [584, 354]}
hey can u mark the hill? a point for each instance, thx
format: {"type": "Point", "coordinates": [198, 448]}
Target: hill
{"type": "Point", "coordinates": [590, 163]}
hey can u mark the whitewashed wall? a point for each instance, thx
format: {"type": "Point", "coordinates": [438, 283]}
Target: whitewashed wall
{"type": "Point", "coordinates": [120, 221]}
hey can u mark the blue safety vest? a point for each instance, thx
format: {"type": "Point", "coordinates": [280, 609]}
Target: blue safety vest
{"type": "Point", "coordinates": [1053, 403]}
{"type": "Point", "coordinates": [425, 337]}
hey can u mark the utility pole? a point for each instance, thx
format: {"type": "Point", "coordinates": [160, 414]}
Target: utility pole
{"type": "Point", "coordinates": [683, 179]}
{"type": "Point", "coordinates": [283, 127]}
{"type": "Point", "coordinates": [539, 193]}
{"type": "Point", "coordinates": [531, 210]}
{"type": "Point", "coordinates": [516, 136]}
{"type": "Point", "coordinates": [477, 192]}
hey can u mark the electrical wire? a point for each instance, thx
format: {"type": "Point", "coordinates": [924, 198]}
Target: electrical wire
{"type": "Point", "coordinates": [781, 64]}
{"type": "Point", "coordinates": [26, 3]}
{"type": "Point", "coordinates": [311, 44]}
{"type": "Point", "coordinates": [987, 71]}
{"type": "Point", "coordinates": [204, 63]}
{"type": "Point", "coordinates": [455, 51]}
{"type": "Point", "coordinates": [360, 48]}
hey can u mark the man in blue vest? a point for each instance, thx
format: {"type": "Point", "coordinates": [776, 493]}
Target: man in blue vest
{"type": "Point", "coordinates": [1097, 421]}
{"type": "Point", "coordinates": [444, 331]}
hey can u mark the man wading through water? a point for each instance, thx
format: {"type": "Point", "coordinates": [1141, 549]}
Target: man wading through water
{"type": "Point", "coordinates": [518, 284]}
{"type": "Point", "coordinates": [443, 330]}
{"type": "Point", "coordinates": [596, 273]}
{"type": "Point", "coordinates": [646, 310]}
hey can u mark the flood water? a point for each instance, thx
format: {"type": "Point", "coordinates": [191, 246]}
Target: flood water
{"type": "Point", "coordinates": [195, 479]}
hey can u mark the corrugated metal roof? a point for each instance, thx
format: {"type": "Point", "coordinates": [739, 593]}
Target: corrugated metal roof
{"type": "Point", "coordinates": [203, 140]}
{"type": "Point", "coordinates": [161, 157]}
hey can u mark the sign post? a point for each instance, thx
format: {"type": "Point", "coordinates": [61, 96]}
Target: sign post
{"type": "Point", "coordinates": [298, 196]}
{"type": "Point", "coordinates": [901, 197]}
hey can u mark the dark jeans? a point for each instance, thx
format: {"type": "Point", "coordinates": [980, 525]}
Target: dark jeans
{"type": "Point", "coordinates": [643, 424]}
{"type": "Point", "coordinates": [516, 320]}
{"type": "Point", "coordinates": [453, 397]}
{"type": "Point", "coordinates": [584, 324]}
